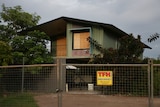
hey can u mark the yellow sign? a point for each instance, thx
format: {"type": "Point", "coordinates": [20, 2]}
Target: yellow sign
{"type": "Point", "coordinates": [104, 78]}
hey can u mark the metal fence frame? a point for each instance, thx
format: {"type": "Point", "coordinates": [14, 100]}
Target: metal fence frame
{"type": "Point", "coordinates": [150, 67]}
{"type": "Point", "coordinates": [23, 68]}
{"type": "Point", "coordinates": [60, 75]}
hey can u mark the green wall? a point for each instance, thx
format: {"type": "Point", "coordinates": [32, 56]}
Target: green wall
{"type": "Point", "coordinates": [106, 38]}
{"type": "Point", "coordinates": [97, 34]}
{"type": "Point", "coordinates": [69, 40]}
{"type": "Point", "coordinates": [110, 40]}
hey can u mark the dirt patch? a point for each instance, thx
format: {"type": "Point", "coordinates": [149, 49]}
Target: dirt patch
{"type": "Point", "coordinates": [92, 100]}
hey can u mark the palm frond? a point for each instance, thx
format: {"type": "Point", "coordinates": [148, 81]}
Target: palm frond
{"type": "Point", "coordinates": [153, 37]}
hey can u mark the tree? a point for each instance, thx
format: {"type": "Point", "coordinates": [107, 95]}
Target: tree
{"type": "Point", "coordinates": [17, 19]}
{"type": "Point", "coordinates": [5, 53]}
{"type": "Point", "coordinates": [31, 45]}
{"type": "Point", "coordinates": [32, 48]}
{"type": "Point", "coordinates": [129, 51]}
{"type": "Point", "coordinates": [102, 58]}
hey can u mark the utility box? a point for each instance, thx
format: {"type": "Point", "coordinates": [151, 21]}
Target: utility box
{"type": "Point", "coordinates": [90, 87]}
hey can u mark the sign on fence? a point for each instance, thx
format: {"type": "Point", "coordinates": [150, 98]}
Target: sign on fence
{"type": "Point", "coordinates": [104, 78]}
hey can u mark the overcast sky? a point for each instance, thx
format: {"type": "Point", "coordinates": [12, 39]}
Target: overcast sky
{"type": "Point", "coordinates": [140, 17]}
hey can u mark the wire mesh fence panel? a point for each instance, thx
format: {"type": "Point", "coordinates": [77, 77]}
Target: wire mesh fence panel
{"type": "Point", "coordinates": [129, 80]}
{"type": "Point", "coordinates": [112, 85]}
{"type": "Point", "coordinates": [24, 83]}
{"type": "Point", "coordinates": [156, 79]}
{"type": "Point", "coordinates": [156, 85]}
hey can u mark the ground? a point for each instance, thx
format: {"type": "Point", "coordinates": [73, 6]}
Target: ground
{"type": "Point", "coordinates": [92, 100]}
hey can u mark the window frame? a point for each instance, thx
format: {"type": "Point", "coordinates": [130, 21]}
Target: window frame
{"type": "Point", "coordinates": [80, 30]}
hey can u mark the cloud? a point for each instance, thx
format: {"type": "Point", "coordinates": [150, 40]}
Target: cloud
{"type": "Point", "coordinates": [132, 16]}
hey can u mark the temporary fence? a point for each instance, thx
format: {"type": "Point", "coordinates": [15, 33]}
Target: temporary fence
{"type": "Point", "coordinates": [126, 80]}
{"type": "Point", "coordinates": [122, 79]}
{"type": "Point", "coordinates": [24, 78]}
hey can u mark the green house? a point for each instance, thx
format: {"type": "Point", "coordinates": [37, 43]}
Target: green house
{"type": "Point", "coordinates": [69, 37]}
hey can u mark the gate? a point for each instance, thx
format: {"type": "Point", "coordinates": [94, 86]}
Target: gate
{"type": "Point", "coordinates": [132, 85]}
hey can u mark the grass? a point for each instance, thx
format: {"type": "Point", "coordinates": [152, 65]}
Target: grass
{"type": "Point", "coordinates": [18, 100]}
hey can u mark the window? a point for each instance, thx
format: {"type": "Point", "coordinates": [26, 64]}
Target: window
{"type": "Point", "coordinates": [80, 40]}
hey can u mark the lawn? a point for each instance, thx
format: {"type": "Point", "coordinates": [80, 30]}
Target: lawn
{"type": "Point", "coordinates": [17, 100]}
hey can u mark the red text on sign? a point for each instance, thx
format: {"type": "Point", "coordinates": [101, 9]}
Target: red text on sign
{"type": "Point", "coordinates": [103, 74]}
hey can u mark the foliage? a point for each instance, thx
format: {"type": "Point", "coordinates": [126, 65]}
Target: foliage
{"type": "Point", "coordinates": [156, 79]}
{"type": "Point", "coordinates": [96, 45]}
{"type": "Point", "coordinates": [129, 51]}
{"type": "Point", "coordinates": [31, 45]}
{"type": "Point", "coordinates": [5, 53]}
{"type": "Point", "coordinates": [155, 61]}
{"type": "Point", "coordinates": [109, 56]}
{"type": "Point", "coordinates": [153, 37]}
{"type": "Point", "coordinates": [5, 33]}
{"type": "Point", "coordinates": [128, 80]}
{"type": "Point", "coordinates": [17, 19]}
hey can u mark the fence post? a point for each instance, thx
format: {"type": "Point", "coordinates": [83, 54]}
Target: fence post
{"type": "Point", "coordinates": [59, 95]}
{"type": "Point", "coordinates": [150, 83]}
{"type": "Point", "coordinates": [22, 88]}
{"type": "Point", "coordinates": [61, 79]}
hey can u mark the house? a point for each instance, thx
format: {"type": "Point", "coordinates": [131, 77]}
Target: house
{"type": "Point", "coordinates": [69, 37]}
